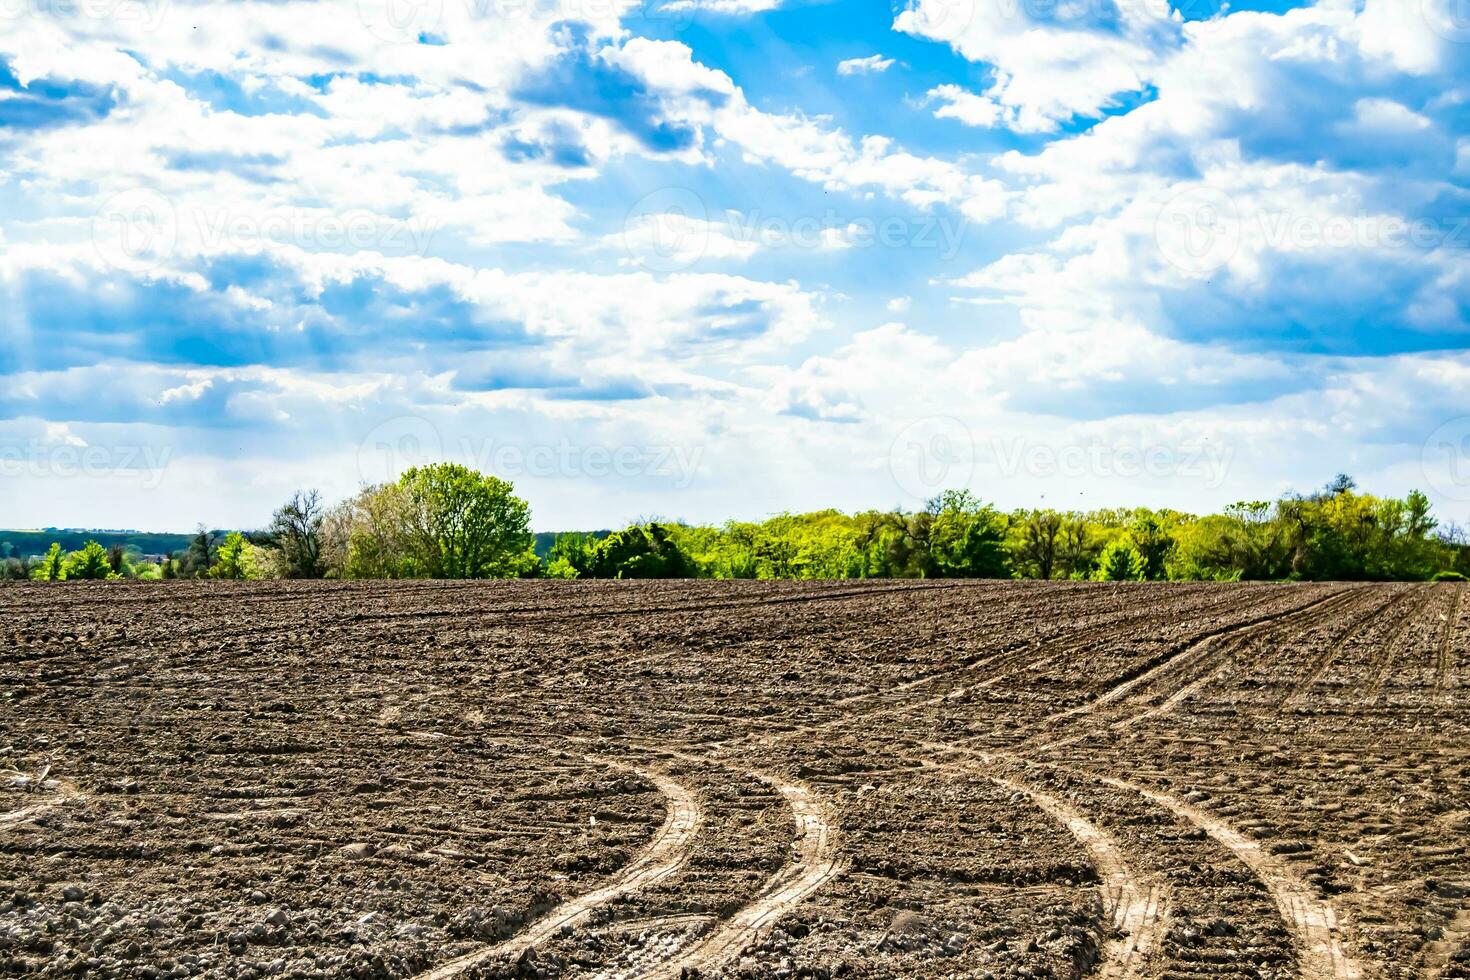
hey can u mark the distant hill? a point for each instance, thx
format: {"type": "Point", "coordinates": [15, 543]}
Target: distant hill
{"type": "Point", "coordinates": [37, 542]}
{"type": "Point", "coordinates": [29, 543]}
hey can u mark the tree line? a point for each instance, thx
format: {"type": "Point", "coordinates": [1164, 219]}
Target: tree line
{"type": "Point", "coordinates": [449, 521]}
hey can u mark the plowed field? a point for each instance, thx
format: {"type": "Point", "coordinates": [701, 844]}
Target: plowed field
{"type": "Point", "coordinates": [718, 780]}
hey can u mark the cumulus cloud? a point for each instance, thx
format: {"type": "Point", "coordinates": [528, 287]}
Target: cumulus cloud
{"type": "Point", "coordinates": [264, 232]}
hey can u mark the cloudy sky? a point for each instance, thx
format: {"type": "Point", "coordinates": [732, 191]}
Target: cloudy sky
{"type": "Point", "coordinates": [710, 258]}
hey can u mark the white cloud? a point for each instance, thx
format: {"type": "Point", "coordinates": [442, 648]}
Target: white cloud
{"type": "Point", "coordinates": [967, 107]}
{"type": "Point", "coordinates": [871, 65]}
{"type": "Point", "coordinates": [730, 7]}
{"type": "Point", "coordinates": [1050, 63]}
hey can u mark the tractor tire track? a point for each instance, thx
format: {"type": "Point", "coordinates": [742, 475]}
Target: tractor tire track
{"type": "Point", "coordinates": [1000, 666]}
{"type": "Point", "coordinates": [1445, 660]}
{"type": "Point", "coordinates": [1312, 922]}
{"type": "Point", "coordinates": [1441, 952]}
{"type": "Point", "coordinates": [1137, 914]}
{"type": "Point", "coordinates": [1383, 662]}
{"type": "Point", "coordinates": [814, 864]}
{"type": "Point", "coordinates": [1324, 661]}
{"type": "Point", "coordinates": [1213, 645]}
{"type": "Point", "coordinates": [663, 856]}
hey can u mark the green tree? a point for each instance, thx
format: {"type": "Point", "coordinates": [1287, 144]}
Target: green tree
{"type": "Point", "coordinates": [52, 567]}
{"type": "Point", "coordinates": [1035, 543]}
{"type": "Point", "coordinates": [464, 524]}
{"type": "Point", "coordinates": [1120, 562]}
{"type": "Point", "coordinates": [572, 551]}
{"type": "Point", "coordinates": [235, 559]}
{"type": "Point", "coordinates": [1153, 541]}
{"type": "Point", "coordinates": [644, 551]}
{"type": "Point", "coordinates": [89, 563]}
{"type": "Point", "coordinates": [966, 537]}
{"type": "Point", "coordinates": [200, 556]}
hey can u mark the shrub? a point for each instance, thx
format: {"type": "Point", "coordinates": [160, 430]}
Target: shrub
{"type": "Point", "coordinates": [639, 552]}
{"type": "Point", "coordinates": [1120, 562]}
{"type": "Point", "coordinates": [1447, 577]}
{"type": "Point", "coordinates": [51, 568]}
{"type": "Point", "coordinates": [92, 562]}
{"type": "Point", "coordinates": [236, 559]}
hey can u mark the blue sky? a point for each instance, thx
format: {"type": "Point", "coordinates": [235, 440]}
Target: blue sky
{"type": "Point", "coordinates": [710, 258]}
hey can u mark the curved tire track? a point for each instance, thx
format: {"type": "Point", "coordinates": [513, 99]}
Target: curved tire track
{"type": "Point", "coordinates": [1174, 668]}
{"type": "Point", "coordinates": [1137, 913]}
{"type": "Point", "coordinates": [664, 855]}
{"type": "Point", "coordinates": [1313, 922]}
{"type": "Point", "coordinates": [815, 863]}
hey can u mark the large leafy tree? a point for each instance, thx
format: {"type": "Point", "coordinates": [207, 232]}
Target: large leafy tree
{"type": "Point", "coordinates": [966, 537]}
{"type": "Point", "coordinates": [461, 523]}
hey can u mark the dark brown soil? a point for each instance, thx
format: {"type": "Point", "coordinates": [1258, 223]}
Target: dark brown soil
{"type": "Point", "coordinates": [643, 780]}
